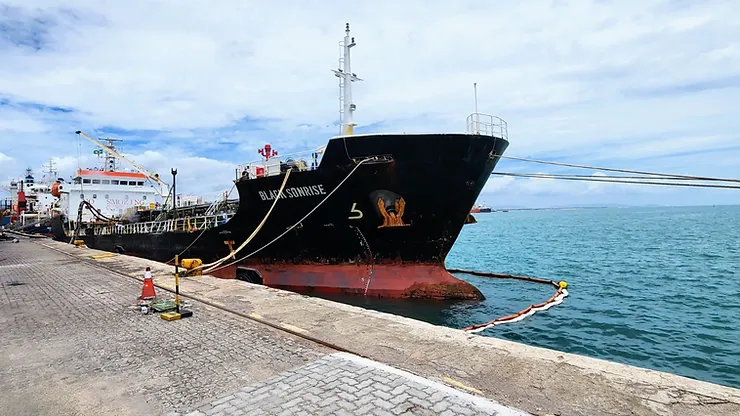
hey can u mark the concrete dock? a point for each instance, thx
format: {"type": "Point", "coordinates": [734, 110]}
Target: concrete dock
{"type": "Point", "coordinates": [74, 343]}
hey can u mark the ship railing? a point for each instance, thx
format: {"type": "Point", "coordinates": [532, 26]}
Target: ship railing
{"type": "Point", "coordinates": [299, 161]}
{"type": "Point", "coordinates": [215, 206]}
{"type": "Point", "coordinates": [187, 224]}
{"type": "Point", "coordinates": [488, 125]}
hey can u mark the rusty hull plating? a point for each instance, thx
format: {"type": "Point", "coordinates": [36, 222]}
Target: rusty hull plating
{"type": "Point", "coordinates": [402, 281]}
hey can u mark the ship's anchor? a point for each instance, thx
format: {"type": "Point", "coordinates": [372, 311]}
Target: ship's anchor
{"type": "Point", "coordinates": [392, 219]}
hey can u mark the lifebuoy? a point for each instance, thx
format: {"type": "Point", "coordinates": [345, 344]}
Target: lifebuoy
{"type": "Point", "coordinates": [55, 190]}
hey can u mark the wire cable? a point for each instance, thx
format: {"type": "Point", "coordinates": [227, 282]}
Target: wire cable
{"type": "Point", "coordinates": [572, 165]}
{"type": "Point", "coordinates": [299, 221]}
{"type": "Point", "coordinates": [596, 179]}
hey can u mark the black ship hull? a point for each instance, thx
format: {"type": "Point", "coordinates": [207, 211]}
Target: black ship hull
{"type": "Point", "coordinates": [385, 230]}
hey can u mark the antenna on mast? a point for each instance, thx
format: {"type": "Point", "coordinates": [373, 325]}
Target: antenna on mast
{"type": "Point", "coordinates": [110, 160]}
{"type": "Point", "coordinates": [51, 173]}
{"type": "Point", "coordinates": [346, 78]}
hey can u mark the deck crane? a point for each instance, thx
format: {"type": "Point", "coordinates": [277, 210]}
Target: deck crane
{"type": "Point", "coordinates": [151, 175]}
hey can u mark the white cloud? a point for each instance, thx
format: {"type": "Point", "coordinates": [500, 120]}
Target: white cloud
{"type": "Point", "coordinates": [591, 78]}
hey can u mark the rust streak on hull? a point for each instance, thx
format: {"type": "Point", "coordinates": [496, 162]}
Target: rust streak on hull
{"type": "Point", "coordinates": [405, 281]}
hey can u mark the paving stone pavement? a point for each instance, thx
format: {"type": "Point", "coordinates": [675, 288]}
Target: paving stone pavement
{"type": "Point", "coordinates": [73, 342]}
{"type": "Point", "coordinates": [345, 384]}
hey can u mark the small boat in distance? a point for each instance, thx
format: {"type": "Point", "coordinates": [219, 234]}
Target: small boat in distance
{"type": "Point", "coordinates": [482, 207]}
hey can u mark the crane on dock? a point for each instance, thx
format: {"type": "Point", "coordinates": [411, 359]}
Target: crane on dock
{"type": "Point", "coordinates": [113, 152]}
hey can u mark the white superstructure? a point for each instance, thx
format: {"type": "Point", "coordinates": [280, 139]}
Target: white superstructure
{"type": "Point", "coordinates": [109, 191]}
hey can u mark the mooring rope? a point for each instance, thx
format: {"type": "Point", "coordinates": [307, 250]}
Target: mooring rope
{"type": "Point", "coordinates": [205, 228]}
{"type": "Point", "coordinates": [556, 299]}
{"type": "Point", "coordinates": [212, 266]}
{"type": "Point", "coordinates": [299, 221]}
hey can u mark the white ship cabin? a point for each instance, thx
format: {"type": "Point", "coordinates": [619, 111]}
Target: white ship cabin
{"type": "Point", "coordinates": [189, 200]}
{"type": "Point", "coordinates": [111, 192]}
{"type": "Point", "coordinates": [39, 200]}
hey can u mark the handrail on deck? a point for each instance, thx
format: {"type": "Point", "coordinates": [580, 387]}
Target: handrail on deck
{"type": "Point", "coordinates": [300, 161]}
{"type": "Point", "coordinates": [488, 125]}
{"type": "Point", "coordinates": [187, 224]}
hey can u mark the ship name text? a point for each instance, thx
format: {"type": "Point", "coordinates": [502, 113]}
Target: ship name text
{"type": "Point", "coordinates": [295, 192]}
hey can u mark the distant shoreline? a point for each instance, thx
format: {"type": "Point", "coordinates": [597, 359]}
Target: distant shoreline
{"type": "Point", "coordinates": [607, 206]}
{"type": "Point", "coordinates": [548, 209]}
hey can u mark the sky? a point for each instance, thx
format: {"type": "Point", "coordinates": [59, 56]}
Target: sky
{"type": "Point", "coordinates": [649, 85]}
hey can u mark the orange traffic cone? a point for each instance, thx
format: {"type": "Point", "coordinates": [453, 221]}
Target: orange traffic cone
{"type": "Point", "coordinates": [147, 292]}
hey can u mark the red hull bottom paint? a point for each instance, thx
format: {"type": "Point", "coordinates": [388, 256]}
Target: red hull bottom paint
{"type": "Point", "coordinates": [384, 280]}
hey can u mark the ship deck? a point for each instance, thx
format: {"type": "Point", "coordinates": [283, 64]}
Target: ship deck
{"type": "Point", "coordinates": [245, 353]}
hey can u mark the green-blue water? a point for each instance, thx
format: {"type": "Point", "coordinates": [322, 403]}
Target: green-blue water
{"type": "Point", "coordinates": [652, 287]}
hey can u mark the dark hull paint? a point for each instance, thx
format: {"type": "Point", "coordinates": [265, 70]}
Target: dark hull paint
{"type": "Point", "coordinates": [342, 246]}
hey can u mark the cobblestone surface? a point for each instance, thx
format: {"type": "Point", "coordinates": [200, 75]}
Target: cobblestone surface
{"type": "Point", "coordinates": [343, 384]}
{"type": "Point", "coordinates": [73, 342]}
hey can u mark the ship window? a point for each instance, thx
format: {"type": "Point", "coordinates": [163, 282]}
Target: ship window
{"type": "Point", "coordinates": [113, 182]}
{"type": "Point", "coordinates": [82, 196]}
{"type": "Point", "coordinates": [106, 196]}
{"type": "Point", "coordinates": [143, 198]}
{"type": "Point", "coordinates": [124, 182]}
{"type": "Point", "coordinates": [106, 182]}
{"type": "Point", "coordinates": [95, 196]}
{"type": "Point", "coordinates": [132, 183]}
{"type": "Point", "coordinates": [86, 181]}
{"type": "Point", "coordinates": [77, 181]}
{"type": "Point", "coordinates": [140, 183]}
{"type": "Point", "coordinates": [96, 181]}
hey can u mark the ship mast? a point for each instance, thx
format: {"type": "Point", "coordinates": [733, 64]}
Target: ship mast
{"type": "Point", "coordinates": [52, 173]}
{"type": "Point", "coordinates": [110, 160]}
{"type": "Point", "coordinates": [346, 78]}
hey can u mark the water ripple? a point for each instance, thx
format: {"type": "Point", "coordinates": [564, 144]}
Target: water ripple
{"type": "Point", "coordinates": [651, 287]}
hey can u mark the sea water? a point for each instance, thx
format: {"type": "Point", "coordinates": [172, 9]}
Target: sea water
{"type": "Point", "coordinates": [656, 288]}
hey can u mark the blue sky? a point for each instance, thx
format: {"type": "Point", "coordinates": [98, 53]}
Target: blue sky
{"type": "Point", "coordinates": [651, 85]}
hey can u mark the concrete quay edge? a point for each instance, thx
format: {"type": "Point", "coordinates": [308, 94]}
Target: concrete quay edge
{"type": "Point", "coordinates": [537, 380]}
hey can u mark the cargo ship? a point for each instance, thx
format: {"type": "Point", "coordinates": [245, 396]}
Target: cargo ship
{"type": "Point", "coordinates": [366, 214]}
{"type": "Point", "coordinates": [478, 208]}
{"type": "Point", "coordinates": [29, 205]}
